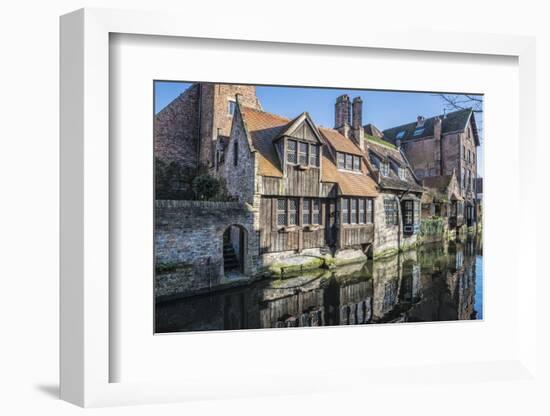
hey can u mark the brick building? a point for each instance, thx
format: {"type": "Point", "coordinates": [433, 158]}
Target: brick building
{"type": "Point", "coordinates": [443, 146]}
{"type": "Point", "coordinates": [316, 195]}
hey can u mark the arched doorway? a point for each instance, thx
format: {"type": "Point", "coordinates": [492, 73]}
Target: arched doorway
{"type": "Point", "coordinates": [234, 249]}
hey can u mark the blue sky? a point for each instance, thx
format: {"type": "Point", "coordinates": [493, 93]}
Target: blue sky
{"type": "Point", "coordinates": [384, 109]}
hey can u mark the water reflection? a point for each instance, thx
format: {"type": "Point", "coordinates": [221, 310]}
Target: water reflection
{"type": "Point", "coordinates": [439, 282]}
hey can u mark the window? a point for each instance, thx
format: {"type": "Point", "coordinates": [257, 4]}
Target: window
{"type": "Point", "coordinates": [463, 152]}
{"type": "Point", "coordinates": [314, 155]}
{"type": "Point", "coordinates": [291, 151]}
{"type": "Point", "coordinates": [345, 211]}
{"type": "Point", "coordinates": [231, 107]}
{"type": "Point", "coordinates": [302, 153]}
{"type": "Point", "coordinates": [306, 212]}
{"type": "Point", "coordinates": [402, 174]}
{"type": "Point", "coordinates": [400, 134]}
{"type": "Point", "coordinates": [292, 211]}
{"type": "Point", "coordinates": [390, 210]}
{"type": "Point", "coordinates": [418, 132]}
{"type": "Point", "coordinates": [362, 218]}
{"type": "Point", "coordinates": [469, 156]}
{"type": "Point", "coordinates": [356, 163]}
{"type": "Point", "coordinates": [384, 168]}
{"type": "Point", "coordinates": [356, 211]}
{"type": "Point", "coordinates": [349, 162]}
{"type": "Point", "coordinates": [353, 211]}
{"type": "Point", "coordinates": [316, 212]}
{"type": "Point", "coordinates": [370, 212]}
{"type": "Point", "coordinates": [408, 215]}
{"type": "Point", "coordinates": [235, 153]}
{"type": "Point", "coordinates": [340, 157]}
{"type": "Point", "coordinates": [281, 212]}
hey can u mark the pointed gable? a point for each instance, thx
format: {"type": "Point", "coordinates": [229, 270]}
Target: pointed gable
{"type": "Point", "coordinates": [264, 128]}
{"type": "Point", "coordinates": [303, 128]}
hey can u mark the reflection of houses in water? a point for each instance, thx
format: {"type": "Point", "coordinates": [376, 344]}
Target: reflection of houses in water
{"type": "Point", "coordinates": [338, 300]}
{"type": "Point", "coordinates": [432, 284]}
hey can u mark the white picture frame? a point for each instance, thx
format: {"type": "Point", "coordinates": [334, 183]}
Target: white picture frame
{"type": "Point", "coordinates": [86, 355]}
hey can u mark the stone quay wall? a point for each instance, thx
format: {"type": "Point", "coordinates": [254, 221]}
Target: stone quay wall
{"type": "Point", "coordinates": [189, 244]}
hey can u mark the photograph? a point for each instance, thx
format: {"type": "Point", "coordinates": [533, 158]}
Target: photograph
{"type": "Point", "coordinates": [292, 207]}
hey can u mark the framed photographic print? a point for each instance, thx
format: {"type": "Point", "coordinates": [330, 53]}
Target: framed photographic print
{"type": "Point", "coordinates": [277, 206]}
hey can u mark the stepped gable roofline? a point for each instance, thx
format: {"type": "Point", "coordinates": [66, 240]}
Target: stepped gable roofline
{"type": "Point", "coordinates": [451, 122]}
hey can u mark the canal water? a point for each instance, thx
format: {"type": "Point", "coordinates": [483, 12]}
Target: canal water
{"type": "Point", "coordinates": [437, 282]}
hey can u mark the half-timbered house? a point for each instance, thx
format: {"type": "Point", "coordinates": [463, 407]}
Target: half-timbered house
{"type": "Point", "coordinates": [313, 191]}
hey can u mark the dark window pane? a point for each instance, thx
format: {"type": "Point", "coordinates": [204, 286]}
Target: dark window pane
{"type": "Point", "coordinates": [302, 153]}
{"type": "Point", "coordinates": [349, 162]}
{"type": "Point", "coordinates": [306, 219]}
{"type": "Point", "coordinates": [292, 211]}
{"type": "Point", "coordinates": [341, 157]}
{"type": "Point", "coordinates": [345, 211]}
{"type": "Point", "coordinates": [361, 211]}
{"type": "Point", "coordinates": [291, 151]}
{"type": "Point", "coordinates": [281, 212]}
{"type": "Point", "coordinates": [353, 215]}
{"type": "Point", "coordinates": [316, 212]}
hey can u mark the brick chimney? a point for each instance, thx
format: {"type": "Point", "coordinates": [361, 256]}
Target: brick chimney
{"type": "Point", "coordinates": [437, 147]}
{"type": "Point", "coordinates": [357, 131]}
{"type": "Point", "coordinates": [342, 114]}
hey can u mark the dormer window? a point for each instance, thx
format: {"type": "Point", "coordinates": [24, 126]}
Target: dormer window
{"type": "Point", "coordinates": [402, 174]}
{"type": "Point", "coordinates": [302, 153]}
{"type": "Point", "coordinates": [400, 135]}
{"type": "Point", "coordinates": [384, 168]}
{"type": "Point", "coordinates": [346, 161]}
{"type": "Point", "coordinates": [418, 132]}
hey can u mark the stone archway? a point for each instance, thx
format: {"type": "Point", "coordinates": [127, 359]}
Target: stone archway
{"type": "Point", "coordinates": [235, 244]}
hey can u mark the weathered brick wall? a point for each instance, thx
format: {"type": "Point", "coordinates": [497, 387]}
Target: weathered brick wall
{"type": "Point", "coordinates": [215, 115]}
{"type": "Point", "coordinates": [189, 243]}
{"type": "Point", "coordinates": [420, 155]}
{"type": "Point", "coordinates": [176, 129]}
